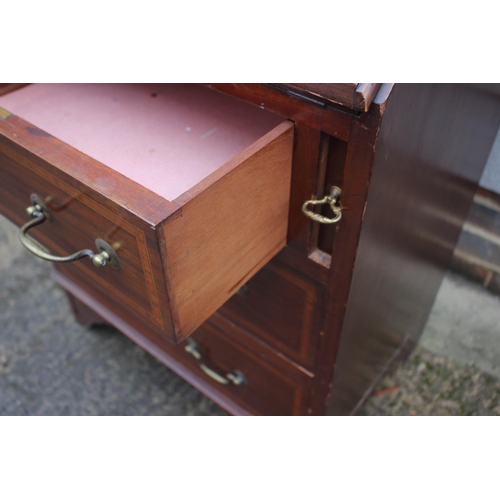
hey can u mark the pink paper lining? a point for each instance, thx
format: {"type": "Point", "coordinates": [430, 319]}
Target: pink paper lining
{"type": "Point", "coordinates": [166, 137]}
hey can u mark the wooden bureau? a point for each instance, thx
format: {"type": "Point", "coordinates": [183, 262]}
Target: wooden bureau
{"type": "Point", "coordinates": [190, 204]}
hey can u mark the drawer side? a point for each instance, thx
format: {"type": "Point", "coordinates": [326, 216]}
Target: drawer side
{"type": "Point", "coordinates": [228, 231]}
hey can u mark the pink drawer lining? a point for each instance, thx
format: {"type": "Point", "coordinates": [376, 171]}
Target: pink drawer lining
{"type": "Point", "coordinates": [167, 137]}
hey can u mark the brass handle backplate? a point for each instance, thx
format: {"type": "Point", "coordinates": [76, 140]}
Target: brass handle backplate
{"type": "Point", "coordinates": [234, 377]}
{"type": "Point", "coordinates": [40, 213]}
{"type": "Point", "coordinates": [331, 199]}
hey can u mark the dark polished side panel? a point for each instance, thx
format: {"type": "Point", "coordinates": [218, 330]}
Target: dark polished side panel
{"type": "Point", "coordinates": [431, 151]}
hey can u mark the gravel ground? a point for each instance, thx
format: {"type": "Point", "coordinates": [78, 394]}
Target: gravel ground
{"type": "Point", "coordinates": [51, 365]}
{"type": "Point", "coordinates": [431, 385]}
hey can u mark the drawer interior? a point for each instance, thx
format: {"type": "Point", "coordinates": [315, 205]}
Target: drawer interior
{"type": "Point", "coordinates": [166, 137]}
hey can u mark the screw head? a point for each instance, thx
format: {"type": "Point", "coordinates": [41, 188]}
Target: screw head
{"type": "Point", "coordinates": [99, 260]}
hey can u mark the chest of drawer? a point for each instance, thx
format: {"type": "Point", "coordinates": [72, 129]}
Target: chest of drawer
{"type": "Point", "coordinates": [188, 187]}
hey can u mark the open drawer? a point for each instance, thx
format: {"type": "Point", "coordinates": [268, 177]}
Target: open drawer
{"type": "Point", "coordinates": [185, 190]}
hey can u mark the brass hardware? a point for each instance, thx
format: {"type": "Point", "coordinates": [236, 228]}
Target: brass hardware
{"type": "Point", "coordinates": [332, 199]}
{"type": "Point", "coordinates": [108, 252]}
{"type": "Point", "coordinates": [40, 213]}
{"type": "Point", "coordinates": [235, 377]}
{"type": "Point", "coordinates": [100, 259]}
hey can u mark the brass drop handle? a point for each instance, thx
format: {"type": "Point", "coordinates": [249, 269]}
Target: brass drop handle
{"type": "Point", "coordinates": [332, 199]}
{"type": "Point", "coordinates": [40, 213]}
{"type": "Point", "coordinates": [235, 377]}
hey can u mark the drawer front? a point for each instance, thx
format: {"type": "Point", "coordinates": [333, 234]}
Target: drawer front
{"type": "Point", "coordinates": [283, 309]}
{"type": "Point", "coordinates": [77, 220]}
{"type": "Point", "coordinates": [273, 385]}
{"type": "Point", "coordinates": [259, 380]}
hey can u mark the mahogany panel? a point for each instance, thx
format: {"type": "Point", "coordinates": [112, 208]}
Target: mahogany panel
{"type": "Point", "coordinates": [271, 389]}
{"type": "Point", "coordinates": [336, 153]}
{"type": "Point", "coordinates": [433, 145]}
{"type": "Point", "coordinates": [282, 308]}
{"type": "Point", "coordinates": [305, 170]}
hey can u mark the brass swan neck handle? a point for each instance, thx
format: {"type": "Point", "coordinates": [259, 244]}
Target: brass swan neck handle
{"type": "Point", "coordinates": [40, 213]}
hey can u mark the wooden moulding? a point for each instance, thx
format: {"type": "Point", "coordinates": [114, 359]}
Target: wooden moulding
{"type": "Point", "coordinates": [357, 96]}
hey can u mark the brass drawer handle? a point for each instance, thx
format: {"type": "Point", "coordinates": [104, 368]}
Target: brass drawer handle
{"type": "Point", "coordinates": [332, 199]}
{"type": "Point", "coordinates": [235, 377]}
{"type": "Point", "coordinates": [40, 213]}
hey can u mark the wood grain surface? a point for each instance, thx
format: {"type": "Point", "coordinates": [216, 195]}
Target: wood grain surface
{"type": "Point", "coordinates": [230, 227]}
{"type": "Point", "coordinates": [77, 220]}
{"type": "Point", "coordinates": [353, 173]}
{"type": "Point", "coordinates": [433, 144]}
{"type": "Point", "coordinates": [284, 309]}
{"type": "Point", "coordinates": [357, 96]}
{"type": "Point", "coordinates": [275, 386]}
{"type": "Point", "coordinates": [222, 230]}
{"type": "Point", "coordinates": [338, 305]}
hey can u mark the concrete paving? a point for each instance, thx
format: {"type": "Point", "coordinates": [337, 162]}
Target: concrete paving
{"type": "Point", "coordinates": [491, 175]}
{"type": "Point", "coordinates": [464, 325]}
{"type": "Point", "coordinates": [51, 365]}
